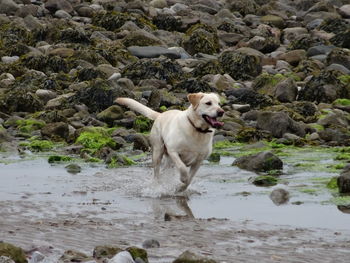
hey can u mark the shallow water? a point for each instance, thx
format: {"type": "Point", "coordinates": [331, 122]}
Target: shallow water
{"type": "Point", "coordinates": [218, 191]}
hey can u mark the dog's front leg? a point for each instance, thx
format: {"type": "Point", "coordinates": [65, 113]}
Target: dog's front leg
{"type": "Point", "coordinates": [180, 166]}
{"type": "Point", "coordinates": [193, 170]}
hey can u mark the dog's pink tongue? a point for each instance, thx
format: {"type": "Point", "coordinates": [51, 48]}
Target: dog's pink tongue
{"type": "Point", "coordinates": [215, 123]}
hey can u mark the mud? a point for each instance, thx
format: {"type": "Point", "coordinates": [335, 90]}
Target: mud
{"type": "Point", "coordinates": [221, 216]}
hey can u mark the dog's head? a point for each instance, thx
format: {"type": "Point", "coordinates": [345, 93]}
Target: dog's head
{"type": "Point", "coordinates": [206, 106]}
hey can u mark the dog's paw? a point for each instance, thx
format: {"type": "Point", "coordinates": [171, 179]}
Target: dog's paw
{"type": "Point", "coordinates": [180, 188]}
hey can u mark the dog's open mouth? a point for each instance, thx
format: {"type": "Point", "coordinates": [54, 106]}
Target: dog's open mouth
{"type": "Point", "coordinates": [213, 122]}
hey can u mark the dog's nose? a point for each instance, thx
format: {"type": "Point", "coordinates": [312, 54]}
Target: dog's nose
{"type": "Point", "coordinates": [220, 112]}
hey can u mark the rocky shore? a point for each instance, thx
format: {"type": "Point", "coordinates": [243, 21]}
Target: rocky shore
{"type": "Point", "coordinates": [281, 68]}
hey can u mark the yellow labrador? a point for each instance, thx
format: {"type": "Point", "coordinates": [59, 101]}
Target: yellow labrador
{"type": "Point", "coordinates": [183, 136]}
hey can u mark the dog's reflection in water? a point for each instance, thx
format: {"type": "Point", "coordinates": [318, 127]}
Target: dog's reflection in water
{"type": "Point", "coordinates": [172, 208]}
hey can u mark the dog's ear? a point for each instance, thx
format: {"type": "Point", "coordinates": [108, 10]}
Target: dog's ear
{"type": "Point", "coordinates": [194, 98]}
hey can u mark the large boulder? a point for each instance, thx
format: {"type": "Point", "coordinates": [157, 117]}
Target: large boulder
{"type": "Point", "coordinates": [260, 162]}
{"type": "Point", "coordinates": [111, 114]}
{"type": "Point", "coordinates": [279, 123]}
{"type": "Point", "coordinates": [242, 64]}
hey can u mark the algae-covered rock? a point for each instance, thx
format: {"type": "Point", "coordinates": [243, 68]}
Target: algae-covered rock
{"type": "Point", "coordinates": [99, 95]}
{"type": "Point", "coordinates": [273, 20]}
{"type": "Point", "coordinates": [208, 67]}
{"type": "Point", "coordinates": [335, 26]}
{"type": "Point", "coordinates": [73, 256]}
{"type": "Point", "coordinates": [105, 251]}
{"type": "Point", "coordinates": [266, 83]}
{"type": "Point", "coordinates": [339, 56]}
{"type": "Point", "coordinates": [249, 96]}
{"type": "Point", "coordinates": [137, 252]}
{"type": "Point", "coordinates": [260, 162]}
{"type": "Point", "coordinates": [286, 90]}
{"type": "Point", "coordinates": [342, 39]}
{"type": "Point", "coordinates": [343, 183]}
{"type": "Point", "coordinates": [95, 138]}
{"type": "Point", "coordinates": [59, 159]}
{"type": "Point", "coordinates": [244, 7]}
{"type": "Point", "coordinates": [157, 68]}
{"type": "Point", "coordinates": [111, 114]}
{"type": "Point", "coordinates": [325, 87]}
{"type": "Point", "coordinates": [192, 85]}
{"type": "Point", "coordinates": [243, 64]}
{"type": "Point", "coordinates": [116, 160]}
{"type": "Point", "coordinates": [140, 142]}
{"type": "Point", "coordinates": [265, 180]}
{"type": "Point", "coordinates": [141, 38]}
{"type": "Point", "coordinates": [13, 252]}
{"type": "Point", "coordinates": [167, 22]}
{"type": "Point", "coordinates": [73, 168]}
{"type": "Point", "coordinates": [201, 38]}
{"type": "Point", "coordinates": [190, 257]}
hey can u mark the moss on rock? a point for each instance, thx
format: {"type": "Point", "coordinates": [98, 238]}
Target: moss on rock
{"type": "Point", "coordinates": [59, 159]}
{"type": "Point", "coordinates": [94, 139]}
{"type": "Point", "coordinates": [13, 252]}
{"type": "Point", "coordinates": [138, 253]}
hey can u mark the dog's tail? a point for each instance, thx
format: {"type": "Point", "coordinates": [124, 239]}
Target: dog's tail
{"type": "Point", "coordinates": [140, 108]}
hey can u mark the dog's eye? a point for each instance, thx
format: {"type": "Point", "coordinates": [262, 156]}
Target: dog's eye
{"type": "Point", "coordinates": [208, 103]}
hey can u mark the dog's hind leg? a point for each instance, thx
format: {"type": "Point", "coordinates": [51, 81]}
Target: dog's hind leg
{"type": "Point", "coordinates": [158, 150]}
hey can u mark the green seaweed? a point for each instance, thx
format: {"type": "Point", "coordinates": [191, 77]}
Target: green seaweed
{"type": "Point", "coordinates": [29, 125]}
{"type": "Point", "coordinates": [96, 138]}
{"type": "Point", "coordinates": [59, 159]}
{"type": "Point", "coordinates": [38, 145]}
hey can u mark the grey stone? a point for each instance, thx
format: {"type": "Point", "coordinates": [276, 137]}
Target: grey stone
{"type": "Point", "coordinates": [8, 7]}
{"type": "Point", "coordinates": [319, 50]}
{"type": "Point", "coordinates": [153, 52]}
{"type": "Point", "coordinates": [279, 196]}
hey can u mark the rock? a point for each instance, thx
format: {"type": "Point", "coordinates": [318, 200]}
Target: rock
{"type": "Point", "coordinates": [286, 90]}
{"type": "Point", "coordinates": [248, 96]}
{"type": "Point", "coordinates": [153, 52]}
{"type": "Point", "coordinates": [278, 123]}
{"type": "Point", "coordinates": [36, 257]}
{"type": "Point", "coordinates": [265, 180]}
{"type": "Point", "coordinates": [122, 257]}
{"type": "Point", "coordinates": [167, 22]}
{"type": "Point", "coordinates": [201, 38]}
{"type": "Point", "coordinates": [141, 142]}
{"type": "Point", "coordinates": [156, 68]}
{"type": "Point", "coordinates": [141, 38]}
{"type": "Point", "coordinates": [106, 251]}
{"type": "Point", "coordinates": [13, 252]}
{"type": "Point", "coordinates": [9, 60]}
{"type": "Point", "coordinates": [279, 196]}
{"type": "Point", "coordinates": [319, 50]}
{"type": "Point", "coordinates": [342, 39]}
{"type": "Point", "coordinates": [335, 118]}
{"type": "Point", "coordinates": [335, 136]}
{"type": "Point", "coordinates": [8, 7]}
{"type": "Point", "coordinates": [45, 95]}
{"type": "Point", "coordinates": [111, 114]}
{"type": "Point", "coordinates": [339, 56]}
{"type": "Point", "coordinates": [54, 5]}
{"type": "Point", "coordinates": [242, 64]}
{"type": "Point", "coordinates": [244, 7]}
{"type": "Point", "coordinates": [4, 259]}
{"type": "Point", "coordinates": [324, 87]}
{"type": "Point", "coordinates": [159, 3]}
{"type": "Point", "coordinates": [192, 85]}
{"type": "Point", "coordinates": [73, 168]}
{"type": "Point", "coordinates": [138, 253]}
{"type": "Point", "coordinates": [344, 11]}
{"type": "Point", "coordinates": [290, 34]}
{"type": "Point", "coordinates": [62, 14]}
{"type": "Point", "coordinates": [189, 257]}
{"type": "Point", "coordinates": [150, 243]}
{"type": "Point", "coordinates": [56, 131]}
{"type": "Point", "coordinates": [343, 183]}
{"type": "Point", "coordinates": [99, 95]}
{"type": "Point", "coordinates": [73, 256]}
{"type": "Point", "coordinates": [273, 20]}
{"type": "Point", "coordinates": [294, 57]}
{"type": "Point", "coordinates": [339, 68]}
{"type": "Point", "coordinates": [59, 101]}
{"type": "Point", "coordinates": [260, 162]}
{"type": "Point", "coordinates": [85, 11]}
